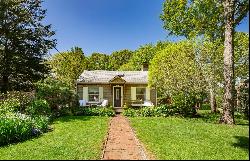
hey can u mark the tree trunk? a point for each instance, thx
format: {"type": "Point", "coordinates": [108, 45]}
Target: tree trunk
{"type": "Point", "coordinates": [212, 101]}
{"type": "Point", "coordinates": [227, 116]}
{"type": "Point", "coordinates": [5, 87]}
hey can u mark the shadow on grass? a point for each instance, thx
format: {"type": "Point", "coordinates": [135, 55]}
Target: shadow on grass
{"type": "Point", "coordinates": [242, 142]}
{"type": "Point", "coordinates": [73, 118]}
{"type": "Point", "coordinates": [209, 117]}
{"type": "Point", "coordinates": [30, 138]}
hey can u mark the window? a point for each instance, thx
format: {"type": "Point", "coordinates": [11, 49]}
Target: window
{"type": "Point", "coordinates": [141, 93]}
{"type": "Point", "coordinates": [117, 92]}
{"type": "Point", "coordinates": [93, 94]}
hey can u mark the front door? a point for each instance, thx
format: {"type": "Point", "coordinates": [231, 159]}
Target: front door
{"type": "Point", "coordinates": [117, 96]}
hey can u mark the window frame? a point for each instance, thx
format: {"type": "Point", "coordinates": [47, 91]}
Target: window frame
{"type": "Point", "coordinates": [144, 94]}
{"type": "Point", "coordinates": [94, 94]}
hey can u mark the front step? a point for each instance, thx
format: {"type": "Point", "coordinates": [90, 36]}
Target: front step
{"type": "Point", "coordinates": [118, 109]}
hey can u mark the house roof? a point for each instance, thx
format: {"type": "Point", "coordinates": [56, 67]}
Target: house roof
{"type": "Point", "coordinates": [104, 76]}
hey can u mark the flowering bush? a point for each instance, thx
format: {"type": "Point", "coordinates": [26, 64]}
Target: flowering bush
{"type": "Point", "coordinates": [9, 106]}
{"type": "Point", "coordinates": [24, 98]}
{"type": "Point", "coordinates": [16, 127]}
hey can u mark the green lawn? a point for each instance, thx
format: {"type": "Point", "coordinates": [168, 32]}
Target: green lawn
{"type": "Point", "coordinates": [200, 138]}
{"type": "Point", "coordinates": [73, 137]}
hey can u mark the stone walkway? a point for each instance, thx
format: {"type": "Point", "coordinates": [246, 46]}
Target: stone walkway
{"type": "Point", "coordinates": [121, 142]}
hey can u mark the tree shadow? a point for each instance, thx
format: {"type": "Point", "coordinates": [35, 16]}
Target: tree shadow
{"type": "Point", "coordinates": [72, 118]}
{"type": "Point", "coordinates": [242, 142]}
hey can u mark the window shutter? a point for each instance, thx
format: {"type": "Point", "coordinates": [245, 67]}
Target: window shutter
{"type": "Point", "coordinates": [148, 94]}
{"type": "Point", "coordinates": [85, 93]}
{"type": "Point", "coordinates": [100, 93]}
{"type": "Point", "coordinates": [133, 93]}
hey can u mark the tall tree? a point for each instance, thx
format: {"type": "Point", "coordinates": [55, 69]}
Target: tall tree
{"type": "Point", "coordinates": [241, 52]}
{"type": "Point", "coordinates": [68, 66]}
{"type": "Point", "coordinates": [173, 73]}
{"type": "Point", "coordinates": [24, 42]}
{"type": "Point", "coordinates": [144, 54]}
{"type": "Point", "coordinates": [118, 58]}
{"type": "Point", "coordinates": [98, 61]}
{"type": "Point", "coordinates": [209, 58]}
{"type": "Point", "coordinates": [212, 19]}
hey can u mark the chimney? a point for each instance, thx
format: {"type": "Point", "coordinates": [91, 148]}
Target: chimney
{"type": "Point", "coordinates": [144, 67]}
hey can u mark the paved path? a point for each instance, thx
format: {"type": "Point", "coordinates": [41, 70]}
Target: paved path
{"type": "Point", "coordinates": [121, 142]}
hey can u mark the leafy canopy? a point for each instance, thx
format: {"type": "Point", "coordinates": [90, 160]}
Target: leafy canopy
{"type": "Point", "coordinates": [24, 41]}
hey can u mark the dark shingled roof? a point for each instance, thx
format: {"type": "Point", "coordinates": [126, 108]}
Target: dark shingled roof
{"type": "Point", "coordinates": [104, 76]}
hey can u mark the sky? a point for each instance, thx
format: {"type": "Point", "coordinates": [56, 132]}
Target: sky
{"type": "Point", "coordinates": [106, 26]}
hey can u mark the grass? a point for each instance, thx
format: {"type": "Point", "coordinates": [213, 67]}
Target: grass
{"type": "Point", "coordinates": [73, 137]}
{"type": "Point", "coordinates": [198, 138]}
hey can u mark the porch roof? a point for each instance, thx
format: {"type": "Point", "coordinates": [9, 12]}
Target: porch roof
{"type": "Point", "coordinates": [104, 76]}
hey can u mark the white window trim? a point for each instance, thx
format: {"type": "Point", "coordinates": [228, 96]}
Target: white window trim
{"type": "Point", "coordinates": [94, 94]}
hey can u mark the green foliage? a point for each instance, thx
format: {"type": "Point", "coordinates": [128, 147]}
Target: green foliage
{"type": "Point", "coordinates": [24, 43]}
{"type": "Point", "coordinates": [205, 107]}
{"type": "Point", "coordinates": [98, 61]}
{"type": "Point", "coordinates": [241, 53]}
{"type": "Point", "coordinates": [198, 17]}
{"type": "Point", "coordinates": [68, 66]}
{"type": "Point", "coordinates": [118, 58]}
{"type": "Point", "coordinates": [172, 73]}
{"type": "Point", "coordinates": [38, 107]}
{"type": "Point", "coordinates": [41, 123]}
{"type": "Point", "coordinates": [130, 112]}
{"type": "Point", "coordinates": [177, 109]}
{"type": "Point", "coordinates": [185, 103]}
{"type": "Point", "coordinates": [9, 106]}
{"type": "Point", "coordinates": [23, 99]}
{"type": "Point", "coordinates": [189, 18]}
{"type": "Point", "coordinates": [16, 127]}
{"type": "Point", "coordinates": [144, 54]}
{"type": "Point", "coordinates": [74, 137]}
{"type": "Point", "coordinates": [101, 111]}
{"type": "Point", "coordinates": [243, 98]}
{"type": "Point", "coordinates": [59, 96]}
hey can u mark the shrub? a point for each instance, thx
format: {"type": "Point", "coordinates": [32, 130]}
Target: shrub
{"type": "Point", "coordinates": [130, 112]}
{"type": "Point", "coordinates": [16, 127]}
{"type": "Point", "coordinates": [244, 102]}
{"type": "Point", "coordinates": [24, 98]}
{"type": "Point", "coordinates": [9, 106]}
{"type": "Point", "coordinates": [41, 123]}
{"type": "Point", "coordinates": [159, 111]}
{"type": "Point", "coordinates": [185, 103]}
{"type": "Point", "coordinates": [205, 107]}
{"type": "Point", "coordinates": [147, 112]}
{"type": "Point", "coordinates": [97, 111]}
{"type": "Point", "coordinates": [60, 97]}
{"type": "Point", "coordinates": [38, 107]}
